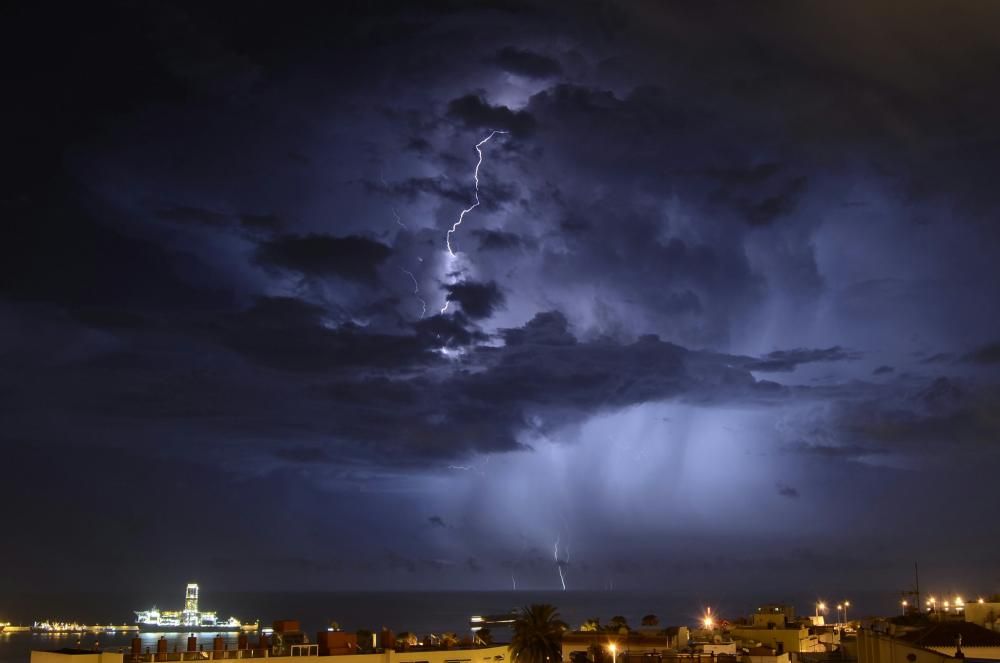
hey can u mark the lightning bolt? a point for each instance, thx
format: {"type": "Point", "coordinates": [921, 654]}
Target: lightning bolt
{"type": "Point", "coordinates": [395, 215]}
{"type": "Point", "coordinates": [513, 581]}
{"type": "Point", "coordinates": [474, 205]}
{"type": "Point", "coordinates": [555, 554]}
{"type": "Point", "coordinates": [416, 290]}
{"type": "Point", "coordinates": [470, 468]}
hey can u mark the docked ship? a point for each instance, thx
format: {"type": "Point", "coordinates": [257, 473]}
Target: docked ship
{"type": "Point", "coordinates": [188, 620]}
{"type": "Point", "coordinates": [8, 628]}
{"type": "Point", "coordinates": [73, 627]}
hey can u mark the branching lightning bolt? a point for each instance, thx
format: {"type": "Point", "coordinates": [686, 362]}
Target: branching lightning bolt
{"type": "Point", "coordinates": [416, 291]}
{"type": "Point", "coordinates": [474, 205]}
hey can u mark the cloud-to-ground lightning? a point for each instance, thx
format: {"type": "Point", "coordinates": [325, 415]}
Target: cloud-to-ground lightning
{"type": "Point", "coordinates": [559, 565]}
{"type": "Point", "coordinates": [416, 291]}
{"type": "Point", "coordinates": [475, 176]}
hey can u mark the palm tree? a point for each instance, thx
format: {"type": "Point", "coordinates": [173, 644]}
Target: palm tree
{"type": "Point", "coordinates": [537, 635]}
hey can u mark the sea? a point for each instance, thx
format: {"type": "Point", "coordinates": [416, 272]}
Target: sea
{"type": "Point", "coordinates": [419, 612]}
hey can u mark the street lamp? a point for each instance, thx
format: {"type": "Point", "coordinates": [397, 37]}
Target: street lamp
{"type": "Point", "coordinates": [904, 604]}
{"type": "Point", "coordinates": [847, 604]}
{"type": "Point", "coordinates": [840, 610]}
{"type": "Point", "coordinates": [614, 652]}
{"type": "Point", "coordinates": [820, 606]}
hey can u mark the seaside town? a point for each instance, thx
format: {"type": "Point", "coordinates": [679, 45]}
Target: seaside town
{"type": "Point", "coordinates": [932, 630]}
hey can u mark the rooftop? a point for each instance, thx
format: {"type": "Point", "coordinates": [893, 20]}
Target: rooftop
{"type": "Point", "coordinates": [945, 634]}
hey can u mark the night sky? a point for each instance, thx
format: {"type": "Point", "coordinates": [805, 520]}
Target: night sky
{"type": "Point", "coordinates": [727, 315]}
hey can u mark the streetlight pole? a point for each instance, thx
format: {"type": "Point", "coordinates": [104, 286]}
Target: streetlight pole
{"type": "Point", "coordinates": [847, 604]}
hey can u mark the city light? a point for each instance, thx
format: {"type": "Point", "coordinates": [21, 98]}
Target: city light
{"type": "Point", "coordinates": [708, 621]}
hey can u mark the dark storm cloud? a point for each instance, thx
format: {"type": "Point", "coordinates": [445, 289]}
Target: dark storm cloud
{"type": "Point", "coordinates": [497, 240]}
{"type": "Point", "coordinates": [436, 521]}
{"type": "Point", "coordinates": [549, 328]}
{"type": "Point", "coordinates": [766, 211]}
{"type": "Point", "coordinates": [542, 379]}
{"type": "Point", "coordinates": [675, 180]}
{"type": "Point", "coordinates": [474, 112]}
{"type": "Point", "coordinates": [987, 354]}
{"type": "Point", "coordinates": [789, 360]}
{"type": "Point", "coordinates": [526, 63]}
{"type": "Point", "coordinates": [916, 422]}
{"type": "Point", "coordinates": [266, 222]}
{"type": "Point", "coordinates": [545, 374]}
{"type": "Point", "coordinates": [57, 251]}
{"type": "Point", "coordinates": [478, 300]}
{"type": "Point", "coordinates": [288, 333]}
{"type": "Point", "coordinates": [757, 193]}
{"type": "Point", "coordinates": [353, 258]}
